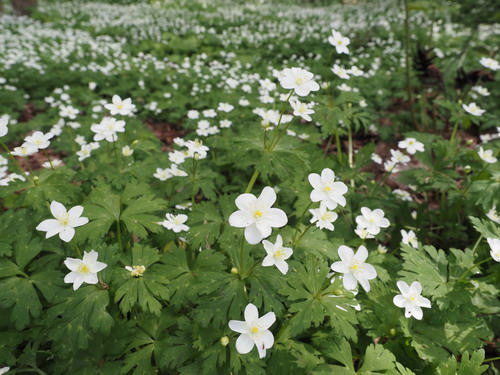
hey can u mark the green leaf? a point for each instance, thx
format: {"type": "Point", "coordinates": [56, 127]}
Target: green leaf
{"type": "Point", "coordinates": [468, 365]}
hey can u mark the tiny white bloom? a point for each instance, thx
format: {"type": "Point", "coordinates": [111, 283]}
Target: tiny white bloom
{"type": "Point", "coordinates": [277, 254]}
{"type": "Point", "coordinates": [363, 233]}
{"type": "Point", "coordinates": [372, 221]}
{"type": "Point", "coordinates": [326, 189]}
{"type": "Point", "coordinates": [323, 217]}
{"type": "Point", "coordinates": [254, 331]}
{"type": "Point", "coordinates": [120, 107]}
{"type": "Point", "coordinates": [487, 155]}
{"type": "Point", "coordinates": [411, 299]}
{"type": "Point", "coordinates": [409, 238]}
{"type": "Point", "coordinates": [473, 109]}
{"type": "Point", "coordinates": [175, 222]}
{"type": "Point", "coordinates": [495, 248]}
{"type": "Point", "coordinates": [4, 122]}
{"type": "Point", "coordinates": [339, 42]}
{"type": "Point", "coordinates": [136, 271]}
{"type": "Point", "coordinates": [299, 80]}
{"type": "Point", "coordinates": [257, 215]}
{"type": "Point", "coordinates": [411, 145]}
{"type": "Point", "coordinates": [302, 109]}
{"type": "Point", "coordinates": [83, 270]}
{"type": "Point", "coordinates": [127, 151]}
{"type": "Point", "coordinates": [354, 268]}
{"type": "Point", "coordinates": [64, 223]}
{"type": "Point", "coordinates": [340, 72]}
{"type": "Point", "coordinates": [493, 215]}
{"type": "Point", "coordinates": [489, 63]}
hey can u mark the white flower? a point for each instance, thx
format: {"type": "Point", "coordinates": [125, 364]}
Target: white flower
{"type": "Point", "coordinates": [68, 111]}
{"type": "Point", "coordinates": [175, 222]}
{"type": "Point", "coordinates": [372, 221]}
{"type": "Point", "coordinates": [254, 331]}
{"type": "Point", "coordinates": [326, 189]}
{"type": "Point", "coordinates": [299, 80]}
{"type": "Point", "coordinates": [120, 107]}
{"type": "Point", "coordinates": [107, 129]}
{"type": "Point", "coordinates": [339, 42]}
{"type": "Point", "coordinates": [411, 145]}
{"type": "Point", "coordinates": [257, 216]}
{"type": "Point", "coordinates": [402, 194]}
{"type": "Point", "coordinates": [481, 90]}
{"type": "Point", "coordinates": [409, 238]}
{"type": "Point", "coordinates": [340, 72]}
{"type": "Point", "coordinates": [26, 149]}
{"type": "Point", "coordinates": [489, 63]}
{"type": "Point", "coordinates": [225, 123]}
{"type": "Point", "coordinates": [64, 223]}
{"type": "Point", "coordinates": [277, 254]}
{"type": "Point", "coordinates": [493, 215]}
{"type": "Point", "coordinates": [84, 152]}
{"type": "Point", "coordinates": [197, 149]}
{"type": "Point", "coordinates": [4, 370]}
{"type": "Point", "coordinates": [411, 299]}
{"type": "Point", "coordinates": [4, 122]}
{"type": "Point", "coordinates": [52, 164]}
{"type": "Point", "coordinates": [355, 71]}
{"type": "Point", "coordinates": [354, 268]}
{"type": "Point", "coordinates": [193, 114]}
{"type": "Point", "coordinates": [473, 109]}
{"type": "Point", "coordinates": [225, 107]}
{"type": "Point", "coordinates": [363, 233]}
{"type": "Point", "coordinates": [177, 157]}
{"type": "Point", "coordinates": [487, 155]}
{"type": "Point", "coordinates": [136, 271]}
{"type": "Point", "coordinates": [39, 140]}
{"type": "Point", "coordinates": [83, 270]}
{"type": "Point", "coordinates": [302, 109]}
{"type": "Point", "coordinates": [398, 157]}
{"type": "Point", "coordinates": [127, 151]}
{"type": "Point", "coordinates": [322, 217]}
{"type": "Point", "coordinates": [495, 248]}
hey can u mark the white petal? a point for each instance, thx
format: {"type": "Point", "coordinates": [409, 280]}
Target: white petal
{"type": "Point", "coordinates": [268, 261]}
{"type": "Point", "coordinates": [49, 225]}
{"type": "Point", "coordinates": [91, 278]}
{"type": "Point", "coordinates": [314, 180]}
{"type": "Point", "coordinates": [364, 283]}
{"type": "Point", "coordinates": [340, 267]}
{"type": "Point", "coordinates": [399, 300]}
{"type": "Point", "coordinates": [78, 222]}
{"type": "Point", "coordinates": [417, 312]}
{"type": "Point", "coordinates": [424, 302]}
{"type": "Point", "coordinates": [251, 313]}
{"type": "Point", "coordinates": [282, 266]}
{"type": "Point", "coordinates": [238, 326]}
{"type": "Point", "coordinates": [71, 277]}
{"type": "Point", "coordinates": [327, 175]}
{"type": "Point", "coordinates": [361, 254]}
{"type": "Point", "coordinates": [75, 212]}
{"type": "Point", "coordinates": [267, 339]}
{"type": "Point", "coordinates": [264, 228]}
{"type": "Point", "coordinates": [240, 219]}
{"type": "Point", "coordinates": [403, 287]}
{"type": "Point", "coordinates": [78, 281]}
{"type": "Point", "coordinates": [349, 281]}
{"type": "Point", "coordinates": [267, 197]}
{"type": "Point", "coordinates": [369, 272]}
{"type": "Point", "coordinates": [57, 209]}
{"type": "Point", "coordinates": [416, 287]}
{"type": "Point", "coordinates": [276, 218]}
{"type": "Point", "coordinates": [90, 257]}
{"type": "Point", "coordinates": [317, 195]}
{"type": "Point", "coordinates": [267, 320]}
{"type": "Point", "coordinates": [72, 263]}
{"type": "Point", "coordinates": [345, 253]}
{"type": "Point", "coordinates": [67, 234]}
{"type": "Point", "coordinates": [245, 201]}
{"type": "Point", "coordinates": [98, 266]}
{"type": "Point", "coordinates": [253, 235]}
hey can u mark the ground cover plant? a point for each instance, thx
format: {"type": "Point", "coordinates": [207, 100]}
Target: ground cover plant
{"type": "Point", "coordinates": [222, 187]}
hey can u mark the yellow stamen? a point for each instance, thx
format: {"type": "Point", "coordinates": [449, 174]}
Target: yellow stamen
{"type": "Point", "coordinates": [254, 330]}
{"type": "Point", "coordinates": [83, 268]}
{"type": "Point", "coordinates": [258, 213]}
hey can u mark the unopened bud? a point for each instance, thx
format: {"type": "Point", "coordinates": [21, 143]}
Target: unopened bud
{"type": "Point", "coordinates": [234, 270]}
{"type": "Point", "coordinates": [224, 341]}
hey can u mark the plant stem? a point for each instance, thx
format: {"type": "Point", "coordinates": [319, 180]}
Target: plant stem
{"type": "Point", "coordinates": [297, 240]}
{"type": "Point", "coordinates": [491, 359]}
{"type": "Point", "coordinates": [477, 243]}
{"type": "Point", "coordinates": [48, 158]}
{"type": "Point", "coordinates": [119, 234]}
{"type": "Point", "coordinates": [454, 132]}
{"type": "Point", "coordinates": [466, 272]}
{"type": "Point", "coordinates": [252, 181]}
{"type": "Point", "coordinates": [339, 145]}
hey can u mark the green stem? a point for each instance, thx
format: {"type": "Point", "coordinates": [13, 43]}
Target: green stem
{"type": "Point", "coordinates": [240, 265]}
{"type": "Point", "coordinates": [477, 243]}
{"type": "Point", "coordinates": [339, 145]}
{"type": "Point", "coordinates": [252, 181]}
{"type": "Point", "coordinates": [454, 132]}
{"type": "Point", "coordinates": [48, 158]}
{"type": "Point", "coordinates": [466, 272]}
{"type": "Point", "coordinates": [193, 179]}
{"type": "Point", "coordinates": [491, 359]}
{"type": "Point", "coordinates": [297, 240]}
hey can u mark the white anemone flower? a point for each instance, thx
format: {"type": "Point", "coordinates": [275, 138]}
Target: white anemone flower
{"type": "Point", "coordinates": [354, 268]}
{"type": "Point", "coordinates": [409, 238]}
{"type": "Point", "coordinates": [411, 145]}
{"type": "Point", "coordinates": [372, 220]}
{"type": "Point", "coordinates": [257, 215]}
{"type": "Point", "coordinates": [299, 80]}
{"type": "Point", "coordinates": [120, 107]}
{"type": "Point", "coordinates": [64, 223]}
{"type": "Point", "coordinates": [495, 248]}
{"type": "Point", "coordinates": [411, 299]}
{"type": "Point", "coordinates": [326, 189]}
{"type": "Point", "coordinates": [277, 254]}
{"type": "Point", "coordinates": [83, 270]}
{"type": "Point", "coordinates": [254, 331]}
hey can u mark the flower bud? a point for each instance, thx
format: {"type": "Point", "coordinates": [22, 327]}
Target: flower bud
{"type": "Point", "coordinates": [234, 271]}
{"type": "Point", "coordinates": [224, 341]}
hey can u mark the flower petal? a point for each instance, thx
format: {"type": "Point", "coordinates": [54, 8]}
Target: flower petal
{"type": "Point", "coordinates": [245, 201]}
{"type": "Point", "coordinates": [345, 253]}
{"type": "Point", "coordinates": [240, 219]}
{"type": "Point", "coordinates": [253, 235]}
{"type": "Point", "coordinates": [267, 320]}
{"type": "Point", "coordinates": [67, 234]}
{"type": "Point", "coordinates": [267, 197]}
{"type": "Point", "coordinates": [251, 313]}
{"type": "Point", "coordinates": [238, 326]}
{"type": "Point", "coordinates": [57, 209]}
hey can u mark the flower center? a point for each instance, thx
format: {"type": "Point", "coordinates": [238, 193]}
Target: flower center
{"type": "Point", "coordinates": [327, 188]}
{"type": "Point", "coordinates": [299, 80]}
{"type": "Point", "coordinates": [257, 213]}
{"type": "Point", "coordinates": [254, 329]}
{"type": "Point", "coordinates": [64, 220]}
{"type": "Point", "coordinates": [83, 268]}
{"type": "Point", "coordinates": [119, 106]}
{"type": "Point", "coordinates": [354, 267]}
{"type": "Point", "coordinates": [279, 253]}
